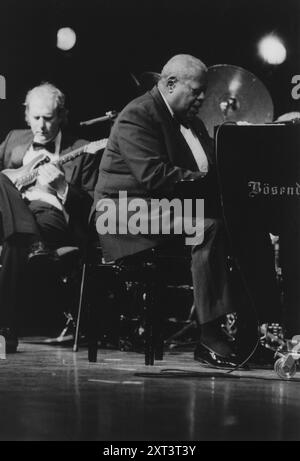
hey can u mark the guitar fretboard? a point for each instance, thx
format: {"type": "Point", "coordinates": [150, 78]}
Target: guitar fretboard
{"type": "Point", "coordinates": [71, 156]}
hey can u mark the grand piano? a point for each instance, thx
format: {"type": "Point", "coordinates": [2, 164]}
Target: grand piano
{"type": "Point", "coordinates": [259, 177]}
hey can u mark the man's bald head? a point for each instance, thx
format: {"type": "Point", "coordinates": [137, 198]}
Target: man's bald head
{"type": "Point", "coordinates": [183, 84]}
{"type": "Point", "coordinates": [183, 66]}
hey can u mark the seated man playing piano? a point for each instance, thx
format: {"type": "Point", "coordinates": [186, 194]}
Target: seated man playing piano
{"type": "Point", "coordinates": [156, 142]}
{"type": "Point", "coordinates": [50, 212]}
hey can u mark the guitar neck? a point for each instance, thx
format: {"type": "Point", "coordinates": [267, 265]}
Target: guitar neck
{"type": "Point", "coordinates": [70, 156]}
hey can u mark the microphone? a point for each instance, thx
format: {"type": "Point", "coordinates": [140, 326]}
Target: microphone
{"type": "Point", "coordinates": [110, 115]}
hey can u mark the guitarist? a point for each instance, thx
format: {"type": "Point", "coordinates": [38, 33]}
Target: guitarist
{"type": "Point", "coordinates": [52, 212]}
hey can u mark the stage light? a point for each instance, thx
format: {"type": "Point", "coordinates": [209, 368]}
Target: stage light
{"type": "Point", "coordinates": [272, 50]}
{"type": "Point", "coordinates": [66, 38]}
{"type": "Point", "coordinates": [2, 87]}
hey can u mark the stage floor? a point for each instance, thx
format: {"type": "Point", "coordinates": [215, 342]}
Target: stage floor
{"type": "Point", "coordinates": [51, 393]}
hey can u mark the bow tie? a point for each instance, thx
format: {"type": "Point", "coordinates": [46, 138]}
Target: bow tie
{"type": "Point", "coordinates": [50, 146]}
{"type": "Point", "coordinates": [183, 122]}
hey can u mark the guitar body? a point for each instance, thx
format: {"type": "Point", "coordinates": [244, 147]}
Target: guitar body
{"type": "Point", "coordinates": [16, 175]}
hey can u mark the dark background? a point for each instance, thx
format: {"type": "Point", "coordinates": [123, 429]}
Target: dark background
{"type": "Point", "coordinates": [116, 37]}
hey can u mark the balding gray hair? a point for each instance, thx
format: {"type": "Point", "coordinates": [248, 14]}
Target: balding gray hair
{"type": "Point", "coordinates": [183, 67]}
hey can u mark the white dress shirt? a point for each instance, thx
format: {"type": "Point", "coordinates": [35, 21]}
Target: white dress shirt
{"type": "Point", "coordinates": [192, 141]}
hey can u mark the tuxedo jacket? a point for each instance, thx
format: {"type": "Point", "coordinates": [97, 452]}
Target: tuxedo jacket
{"type": "Point", "coordinates": [146, 156]}
{"type": "Point", "coordinates": [81, 173]}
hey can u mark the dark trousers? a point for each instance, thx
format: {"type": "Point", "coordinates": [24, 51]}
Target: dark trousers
{"type": "Point", "coordinates": [210, 274]}
{"type": "Point", "coordinates": [21, 225]}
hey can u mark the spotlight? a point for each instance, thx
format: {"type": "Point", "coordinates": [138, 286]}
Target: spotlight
{"type": "Point", "coordinates": [272, 50]}
{"type": "Point", "coordinates": [66, 39]}
{"type": "Point", "coordinates": [2, 87]}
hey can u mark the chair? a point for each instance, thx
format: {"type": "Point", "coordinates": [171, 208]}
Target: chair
{"type": "Point", "coordinates": [153, 270]}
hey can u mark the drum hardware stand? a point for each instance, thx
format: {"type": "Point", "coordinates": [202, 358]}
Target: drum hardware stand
{"type": "Point", "coordinates": [287, 352]}
{"type": "Point", "coordinates": [288, 356]}
{"type": "Point", "coordinates": [67, 334]}
{"type": "Point", "coordinates": [172, 341]}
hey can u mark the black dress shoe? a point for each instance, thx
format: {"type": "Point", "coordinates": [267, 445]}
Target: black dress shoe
{"type": "Point", "coordinates": [11, 340]}
{"type": "Point", "coordinates": [207, 356]}
{"type": "Point", "coordinates": [40, 252]}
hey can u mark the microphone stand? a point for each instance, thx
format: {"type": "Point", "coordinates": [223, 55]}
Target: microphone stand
{"type": "Point", "coordinates": [110, 115]}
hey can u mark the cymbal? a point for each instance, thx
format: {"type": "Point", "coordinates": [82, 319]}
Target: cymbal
{"type": "Point", "coordinates": [234, 94]}
{"type": "Point", "coordinates": [146, 81]}
{"type": "Point", "coordinates": [289, 117]}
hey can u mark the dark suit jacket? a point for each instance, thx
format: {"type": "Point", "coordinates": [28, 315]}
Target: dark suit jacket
{"type": "Point", "coordinates": [81, 173]}
{"type": "Point", "coordinates": [146, 156]}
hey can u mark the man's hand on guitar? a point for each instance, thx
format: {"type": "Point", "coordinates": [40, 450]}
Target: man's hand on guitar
{"type": "Point", "coordinates": [51, 177]}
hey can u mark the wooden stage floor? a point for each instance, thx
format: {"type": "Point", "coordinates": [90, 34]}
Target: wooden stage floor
{"type": "Point", "coordinates": [50, 393]}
